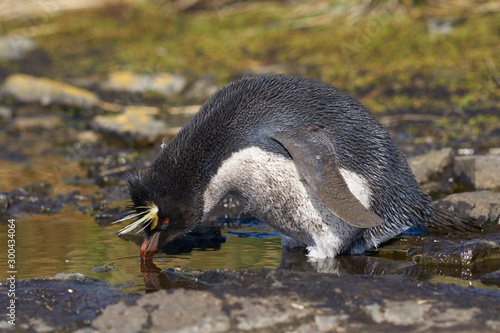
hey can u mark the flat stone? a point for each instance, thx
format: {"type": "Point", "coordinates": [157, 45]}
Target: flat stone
{"type": "Point", "coordinates": [403, 313]}
{"type": "Point", "coordinates": [30, 89]}
{"type": "Point", "coordinates": [133, 127]}
{"type": "Point", "coordinates": [165, 84]}
{"type": "Point", "coordinates": [16, 47]}
{"type": "Point", "coordinates": [433, 166]}
{"type": "Point", "coordinates": [478, 172]}
{"type": "Point", "coordinates": [483, 206]}
{"type": "Point", "coordinates": [191, 311]}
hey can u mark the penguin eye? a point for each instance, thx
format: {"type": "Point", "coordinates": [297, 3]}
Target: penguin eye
{"type": "Point", "coordinates": [165, 221]}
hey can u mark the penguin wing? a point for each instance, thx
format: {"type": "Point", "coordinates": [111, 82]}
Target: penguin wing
{"type": "Point", "coordinates": [314, 154]}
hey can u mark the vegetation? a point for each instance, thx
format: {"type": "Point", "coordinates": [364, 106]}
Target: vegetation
{"type": "Point", "coordinates": [396, 56]}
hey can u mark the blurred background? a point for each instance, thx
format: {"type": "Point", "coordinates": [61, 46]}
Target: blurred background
{"type": "Point", "coordinates": [430, 70]}
{"type": "Point", "coordinates": [89, 88]}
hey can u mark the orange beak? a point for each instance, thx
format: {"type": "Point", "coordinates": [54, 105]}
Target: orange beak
{"type": "Point", "coordinates": [150, 246]}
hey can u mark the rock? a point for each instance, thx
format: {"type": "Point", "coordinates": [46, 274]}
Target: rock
{"type": "Point", "coordinates": [15, 48]}
{"type": "Point", "coordinates": [4, 203]}
{"type": "Point", "coordinates": [483, 206]}
{"type": "Point", "coordinates": [61, 303]}
{"type": "Point", "coordinates": [433, 166]}
{"type": "Point", "coordinates": [492, 278]}
{"type": "Point", "coordinates": [194, 311]}
{"type": "Point", "coordinates": [478, 172]}
{"type": "Point", "coordinates": [30, 89]}
{"type": "Point", "coordinates": [283, 300]}
{"type": "Point", "coordinates": [269, 300]}
{"type": "Point", "coordinates": [88, 137]}
{"type": "Point", "coordinates": [132, 127]}
{"type": "Point", "coordinates": [5, 114]}
{"type": "Point", "coordinates": [200, 89]}
{"type": "Point", "coordinates": [440, 26]}
{"type": "Point", "coordinates": [20, 124]}
{"type": "Point", "coordinates": [464, 253]}
{"type": "Point", "coordinates": [103, 269]}
{"type": "Point", "coordinates": [165, 84]}
{"type": "Point", "coordinates": [36, 199]}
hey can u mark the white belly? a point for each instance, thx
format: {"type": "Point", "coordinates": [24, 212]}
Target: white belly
{"type": "Point", "coordinates": [272, 189]}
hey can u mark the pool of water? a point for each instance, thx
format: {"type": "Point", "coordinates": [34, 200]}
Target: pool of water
{"type": "Point", "coordinates": [71, 241]}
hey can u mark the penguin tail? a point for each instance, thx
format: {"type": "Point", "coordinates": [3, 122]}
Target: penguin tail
{"type": "Point", "coordinates": [444, 219]}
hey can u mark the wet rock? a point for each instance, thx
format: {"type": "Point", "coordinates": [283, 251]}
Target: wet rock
{"type": "Point", "coordinates": [165, 84]}
{"type": "Point", "coordinates": [132, 127]}
{"type": "Point", "coordinates": [279, 300]}
{"type": "Point", "coordinates": [433, 166]}
{"type": "Point", "coordinates": [30, 89]}
{"type": "Point", "coordinates": [103, 269]}
{"type": "Point", "coordinates": [36, 199]}
{"type": "Point", "coordinates": [15, 48]}
{"type": "Point", "coordinates": [462, 253]}
{"type": "Point", "coordinates": [478, 172]}
{"type": "Point", "coordinates": [63, 302]}
{"type": "Point", "coordinates": [492, 278]}
{"type": "Point", "coordinates": [484, 206]}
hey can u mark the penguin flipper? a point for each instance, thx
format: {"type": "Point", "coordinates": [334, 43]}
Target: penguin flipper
{"type": "Point", "coordinates": [314, 155]}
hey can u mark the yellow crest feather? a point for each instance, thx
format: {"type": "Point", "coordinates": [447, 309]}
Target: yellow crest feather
{"type": "Point", "coordinates": [149, 218]}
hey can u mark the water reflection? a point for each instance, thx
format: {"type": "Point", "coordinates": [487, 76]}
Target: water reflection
{"type": "Point", "coordinates": [178, 277]}
{"type": "Point", "coordinates": [155, 278]}
{"type": "Point", "coordinates": [359, 265]}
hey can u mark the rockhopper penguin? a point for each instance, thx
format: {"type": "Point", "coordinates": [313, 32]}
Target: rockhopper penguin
{"type": "Point", "coordinates": [300, 155]}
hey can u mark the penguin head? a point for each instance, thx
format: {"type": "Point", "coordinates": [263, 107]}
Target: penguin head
{"type": "Point", "coordinates": [163, 213]}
